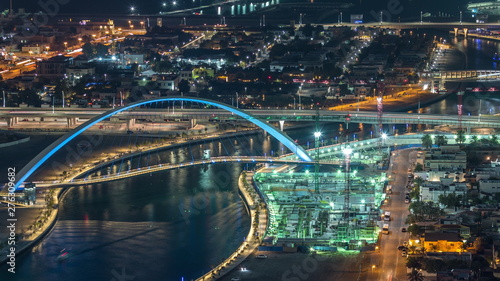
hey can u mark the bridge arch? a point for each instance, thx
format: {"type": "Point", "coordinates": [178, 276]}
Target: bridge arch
{"type": "Point", "coordinates": [43, 156]}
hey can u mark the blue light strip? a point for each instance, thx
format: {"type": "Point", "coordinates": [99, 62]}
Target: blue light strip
{"type": "Point", "coordinates": [43, 156]}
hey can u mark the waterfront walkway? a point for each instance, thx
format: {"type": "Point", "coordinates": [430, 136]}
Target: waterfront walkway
{"type": "Point", "coordinates": [259, 218]}
{"type": "Point", "coordinates": [35, 233]}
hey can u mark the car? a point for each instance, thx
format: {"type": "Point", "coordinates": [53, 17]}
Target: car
{"type": "Point", "coordinates": [236, 279]}
{"type": "Point", "coordinates": [405, 243]}
{"type": "Point", "coordinates": [129, 132]}
{"type": "Point", "coordinates": [407, 200]}
{"type": "Point", "coordinates": [261, 257]}
{"type": "Point", "coordinates": [404, 254]}
{"type": "Point", "coordinates": [403, 229]}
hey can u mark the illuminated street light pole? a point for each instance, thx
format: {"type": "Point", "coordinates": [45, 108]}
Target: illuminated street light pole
{"type": "Point", "coordinates": [317, 135]}
{"type": "Point", "coordinates": [347, 151]}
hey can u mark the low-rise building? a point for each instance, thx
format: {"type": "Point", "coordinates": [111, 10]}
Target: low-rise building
{"type": "Point", "coordinates": [442, 242]}
{"type": "Point", "coordinates": [54, 67]}
{"type": "Point", "coordinates": [489, 186]}
{"type": "Point", "coordinates": [446, 158]}
{"type": "Point", "coordinates": [166, 81]}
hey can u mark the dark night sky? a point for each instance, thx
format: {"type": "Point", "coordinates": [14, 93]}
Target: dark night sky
{"type": "Point", "coordinates": [410, 7]}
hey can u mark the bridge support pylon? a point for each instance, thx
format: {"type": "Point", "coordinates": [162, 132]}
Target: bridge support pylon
{"type": "Point", "coordinates": [192, 123]}
{"type": "Point", "coordinates": [466, 32]}
{"type": "Point", "coordinates": [130, 123]}
{"type": "Point", "coordinates": [282, 124]}
{"type": "Point", "coordinates": [70, 121]}
{"type": "Point", "coordinates": [456, 31]}
{"type": "Point", "coordinates": [12, 121]}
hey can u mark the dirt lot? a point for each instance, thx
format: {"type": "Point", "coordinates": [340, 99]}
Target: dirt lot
{"type": "Point", "coordinates": [301, 266]}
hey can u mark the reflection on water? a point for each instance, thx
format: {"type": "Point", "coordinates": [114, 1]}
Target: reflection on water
{"type": "Point", "coordinates": [165, 226]}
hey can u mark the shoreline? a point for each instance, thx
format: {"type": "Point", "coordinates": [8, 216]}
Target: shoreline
{"type": "Point", "coordinates": [24, 245]}
{"type": "Point", "coordinates": [258, 224]}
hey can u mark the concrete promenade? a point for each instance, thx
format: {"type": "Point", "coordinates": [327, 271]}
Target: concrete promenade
{"type": "Point", "coordinates": [259, 217]}
{"type": "Point", "coordinates": [33, 236]}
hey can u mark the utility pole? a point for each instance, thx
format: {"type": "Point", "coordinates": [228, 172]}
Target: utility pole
{"type": "Point", "coordinates": [460, 109]}
{"type": "Point", "coordinates": [317, 135]}
{"type": "Point", "coordinates": [347, 215]}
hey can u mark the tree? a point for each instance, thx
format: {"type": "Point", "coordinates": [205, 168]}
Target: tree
{"type": "Point", "coordinates": [101, 50]}
{"type": "Point", "coordinates": [441, 140]}
{"type": "Point", "coordinates": [494, 140]}
{"type": "Point", "coordinates": [414, 262]}
{"type": "Point", "coordinates": [278, 50]}
{"type": "Point", "coordinates": [88, 50]}
{"type": "Point", "coordinates": [460, 137]}
{"type": "Point", "coordinates": [419, 167]}
{"type": "Point", "coordinates": [163, 66]}
{"type": "Point", "coordinates": [184, 86]}
{"type": "Point", "coordinates": [450, 200]}
{"type": "Point", "coordinates": [415, 275]}
{"type": "Point", "coordinates": [427, 141]}
{"type": "Point", "coordinates": [414, 229]}
{"type": "Point", "coordinates": [474, 139]}
{"type": "Point", "coordinates": [434, 265]}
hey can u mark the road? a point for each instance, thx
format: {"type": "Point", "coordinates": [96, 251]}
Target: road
{"type": "Point", "coordinates": [391, 265]}
{"type": "Point", "coordinates": [271, 114]}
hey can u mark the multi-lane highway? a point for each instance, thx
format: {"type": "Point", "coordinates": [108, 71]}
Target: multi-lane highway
{"type": "Point", "coordinates": [367, 117]}
{"type": "Point", "coordinates": [390, 264]}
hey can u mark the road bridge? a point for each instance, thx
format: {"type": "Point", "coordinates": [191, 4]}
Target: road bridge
{"type": "Point", "coordinates": [459, 75]}
{"type": "Point", "coordinates": [15, 115]}
{"type": "Point", "coordinates": [169, 166]}
{"type": "Point", "coordinates": [43, 156]}
{"type": "Point", "coordinates": [418, 24]}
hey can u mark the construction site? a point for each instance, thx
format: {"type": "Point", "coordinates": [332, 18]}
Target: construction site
{"type": "Point", "coordinates": [326, 210]}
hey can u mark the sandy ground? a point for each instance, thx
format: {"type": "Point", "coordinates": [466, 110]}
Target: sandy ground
{"type": "Point", "coordinates": [302, 266]}
{"type": "Point", "coordinates": [390, 103]}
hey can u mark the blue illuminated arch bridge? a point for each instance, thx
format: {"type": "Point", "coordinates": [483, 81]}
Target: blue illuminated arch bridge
{"type": "Point", "coordinates": [36, 162]}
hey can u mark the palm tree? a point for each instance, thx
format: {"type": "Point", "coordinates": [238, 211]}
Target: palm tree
{"type": "Point", "coordinates": [494, 140]}
{"type": "Point", "coordinates": [460, 137]}
{"type": "Point", "coordinates": [441, 140]}
{"type": "Point", "coordinates": [427, 141]}
{"type": "Point", "coordinates": [415, 275]}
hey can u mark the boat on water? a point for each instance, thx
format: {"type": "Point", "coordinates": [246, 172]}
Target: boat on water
{"type": "Point", "coordinates": [63, 255]}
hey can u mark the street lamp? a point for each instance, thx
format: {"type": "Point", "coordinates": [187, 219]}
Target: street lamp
{"type": "Point", "coordinates": [421, 17]}
{"type": "Point", "coordinates": [132, 9]}
{"type": "Point", "coordinates": [317, 135]}
{"type": "Point", "coordinates": [460, 17]}
{"type": "Point", "coordinates": [347, 151]}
